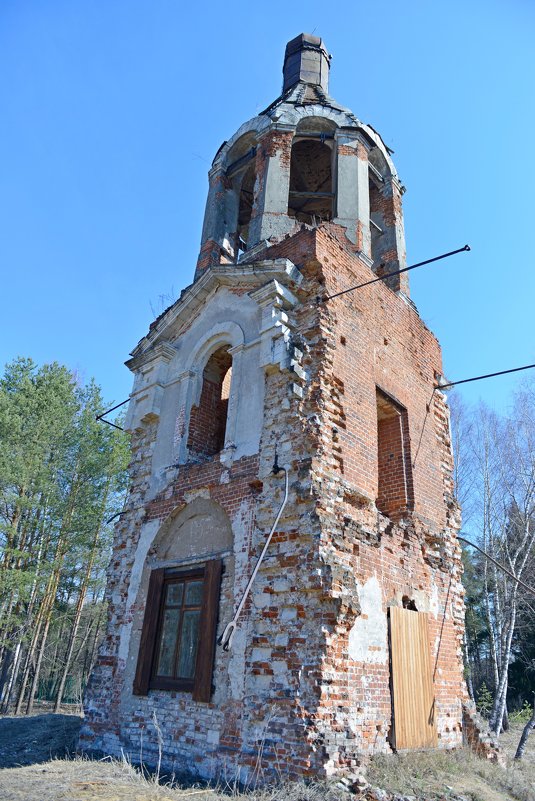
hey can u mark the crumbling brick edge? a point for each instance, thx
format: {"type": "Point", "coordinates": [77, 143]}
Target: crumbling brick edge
{"type": "Point", "coordinates": [477, 737]}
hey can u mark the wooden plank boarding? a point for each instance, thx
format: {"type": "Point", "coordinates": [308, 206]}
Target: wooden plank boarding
{"type": "Point", "coordinates": [412, 682]}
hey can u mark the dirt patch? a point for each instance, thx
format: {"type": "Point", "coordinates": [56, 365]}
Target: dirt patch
{"type": "Point", "coordinates": [38, 738]}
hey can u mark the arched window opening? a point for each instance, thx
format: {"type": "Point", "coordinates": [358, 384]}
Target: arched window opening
{"type": "Point", "coordinates": [241, 175]}
{"type": "Point", "coordinates": [245, 208]}
{"type": "Point", "coordinates": [376, 220]}
{"type": "Point", "coordinates": [208, 420]}
{"type": "Point", "coordinates": [225, 386]}
{"type": "Point", "coordinates": [311, 189]}
{"type": "Point", "coordinates": [379, 214]}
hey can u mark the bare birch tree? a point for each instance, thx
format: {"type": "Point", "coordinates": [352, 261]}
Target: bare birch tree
{"type": "Point", "coordinates": [501, 495]}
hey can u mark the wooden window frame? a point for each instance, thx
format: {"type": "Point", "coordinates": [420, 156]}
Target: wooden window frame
{"type": "Point", "coordinates": [201, 684]}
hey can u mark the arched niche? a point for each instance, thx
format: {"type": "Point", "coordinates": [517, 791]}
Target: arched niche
{"type": "Point", "coordinates": [226, 332]}
{"type": "Point", "coordinates": [315, 125]}
{"type": "Point", "coordinates": [192, 536]}
{"type": "Point", "coordinates": [294, 115]}
{"type": "Point", "coordinates": [199, 529]}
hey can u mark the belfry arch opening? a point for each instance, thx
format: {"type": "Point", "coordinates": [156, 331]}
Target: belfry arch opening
{"type": "Point", "coordinates": [208, 419]}
{"type": "Point", "coordinates": [245, 206]}
{"type": "Point", "coordinates": [378, 171]}
{"type": "Point", "coordinates": [311, 196]}
{"type": "Point", "coordinates": [241, 178]}
{"type": "Point", "coordinates": [376, 230]}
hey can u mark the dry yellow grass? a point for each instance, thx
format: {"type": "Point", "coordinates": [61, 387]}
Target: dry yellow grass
{"type": "Point", "coordinates": [85, 780]}
{"type": "Point", "coordinates": [81, 780]}
{"type": "Point", "coordinates": [437, 774]}
{"type": "Point", "coordinates": [429, 775]}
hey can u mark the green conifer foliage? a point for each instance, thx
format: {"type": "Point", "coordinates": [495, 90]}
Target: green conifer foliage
{"type": "Point", "coordinates": [62, 476]}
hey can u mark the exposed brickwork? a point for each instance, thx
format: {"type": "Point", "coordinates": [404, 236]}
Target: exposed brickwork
{"type": "Point", "coordinates": [208, 420]}
{"type": "Point", "coordinates": [315, 687]}
{"type": "Point", "coordinates": [385, 205]}
{"type": "Point", "coordinates": [279, 142]}
{"type": "Point", "coordinates": [394, 492]}
{"type": "Point", "coordinates": [347, 150]}
{"type": "Point", "coordinates": [273, 143]}
{"type": "Point", "coordinates": [362, 151]}
{"type": "Point", "coordinates": [370, 520]}
{"type": "Point", "coordinates": [209, 256]}
{"type": "Point", "coordinates": [478, 738]}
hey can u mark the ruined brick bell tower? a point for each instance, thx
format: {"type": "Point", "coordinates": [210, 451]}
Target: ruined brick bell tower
{"type": "Point", "coordinates": [284, 592]}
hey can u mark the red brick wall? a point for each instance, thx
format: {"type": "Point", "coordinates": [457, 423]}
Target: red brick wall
{"type": "Point", "coordinates": [367, 339]}
{"type": "Point", "coordinates": [374, 338]}
{"type": "Point", "coordinates": [208, 420]}
{"type": "Point", "coordinates": [312, 706]}
{"type": "Point", "coordinates": [391, 491]}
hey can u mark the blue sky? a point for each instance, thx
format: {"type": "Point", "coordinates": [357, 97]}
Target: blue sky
{"type": "Point", "coordinates": [112, 111]}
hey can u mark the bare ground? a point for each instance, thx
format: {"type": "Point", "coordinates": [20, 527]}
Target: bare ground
{"type": "Point", "coordinates": [30, 771]}
{"type": "Point", "coordinates": [27, 740]}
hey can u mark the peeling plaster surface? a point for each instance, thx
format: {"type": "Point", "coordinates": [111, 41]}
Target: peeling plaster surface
{"type": "Point", "coordinates": [309, 663]}
{"type": "Point", "coordinates": [147, 535]}
{"type": "Point", "coordinates": [368, 639]}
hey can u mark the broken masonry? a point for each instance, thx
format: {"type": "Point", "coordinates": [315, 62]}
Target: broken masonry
{"type": "Point", "coordinates": [347, 640]}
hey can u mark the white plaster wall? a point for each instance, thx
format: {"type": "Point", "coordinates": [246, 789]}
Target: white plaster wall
{"type": "Point", "coordinates": [368, 639]}
{"type": "Point", "coordinates": [225, 318]}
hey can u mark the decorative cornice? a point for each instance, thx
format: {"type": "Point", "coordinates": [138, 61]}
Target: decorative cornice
{"type": "Point", "coordinates": [256, 274]}
{"type": "Point", "coordinates": [163, 351]}
{"type": "Point", "coordinates": [353, 135]}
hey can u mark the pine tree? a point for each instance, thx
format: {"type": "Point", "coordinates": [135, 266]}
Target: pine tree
{"type": "Point", "coordinates": [62, 475]}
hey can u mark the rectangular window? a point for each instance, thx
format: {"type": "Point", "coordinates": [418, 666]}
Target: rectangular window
{"type": "Point", "coordinates": [178, 636]}
{"type": "Point", "coordinates": [178, 631]}
{"type": "Point", "coordinates": [394, 489]}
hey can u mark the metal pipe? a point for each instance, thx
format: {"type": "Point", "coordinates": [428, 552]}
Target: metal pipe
{"type": "Point", "coordinates": [226, 638]}
{"type": "Point", "coordinates": [100, 417]}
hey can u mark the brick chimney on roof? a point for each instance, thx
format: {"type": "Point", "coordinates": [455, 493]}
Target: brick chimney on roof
{"type": "Point", "coordinates": [306, 60]}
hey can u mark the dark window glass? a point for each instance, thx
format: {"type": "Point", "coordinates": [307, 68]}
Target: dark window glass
{"type": "Point", "coordinates": [193, 593]}
{"type": "Point", "coordinates": [177, 646]}
{"type": "Point", "coordinates": [168, 641]}
{"type": "Point", "coordinates": [188, 644]}
{"type": "Point", "coordinates": [180, 615]}
{"type": "Point", "coordinates": [175, 592]}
